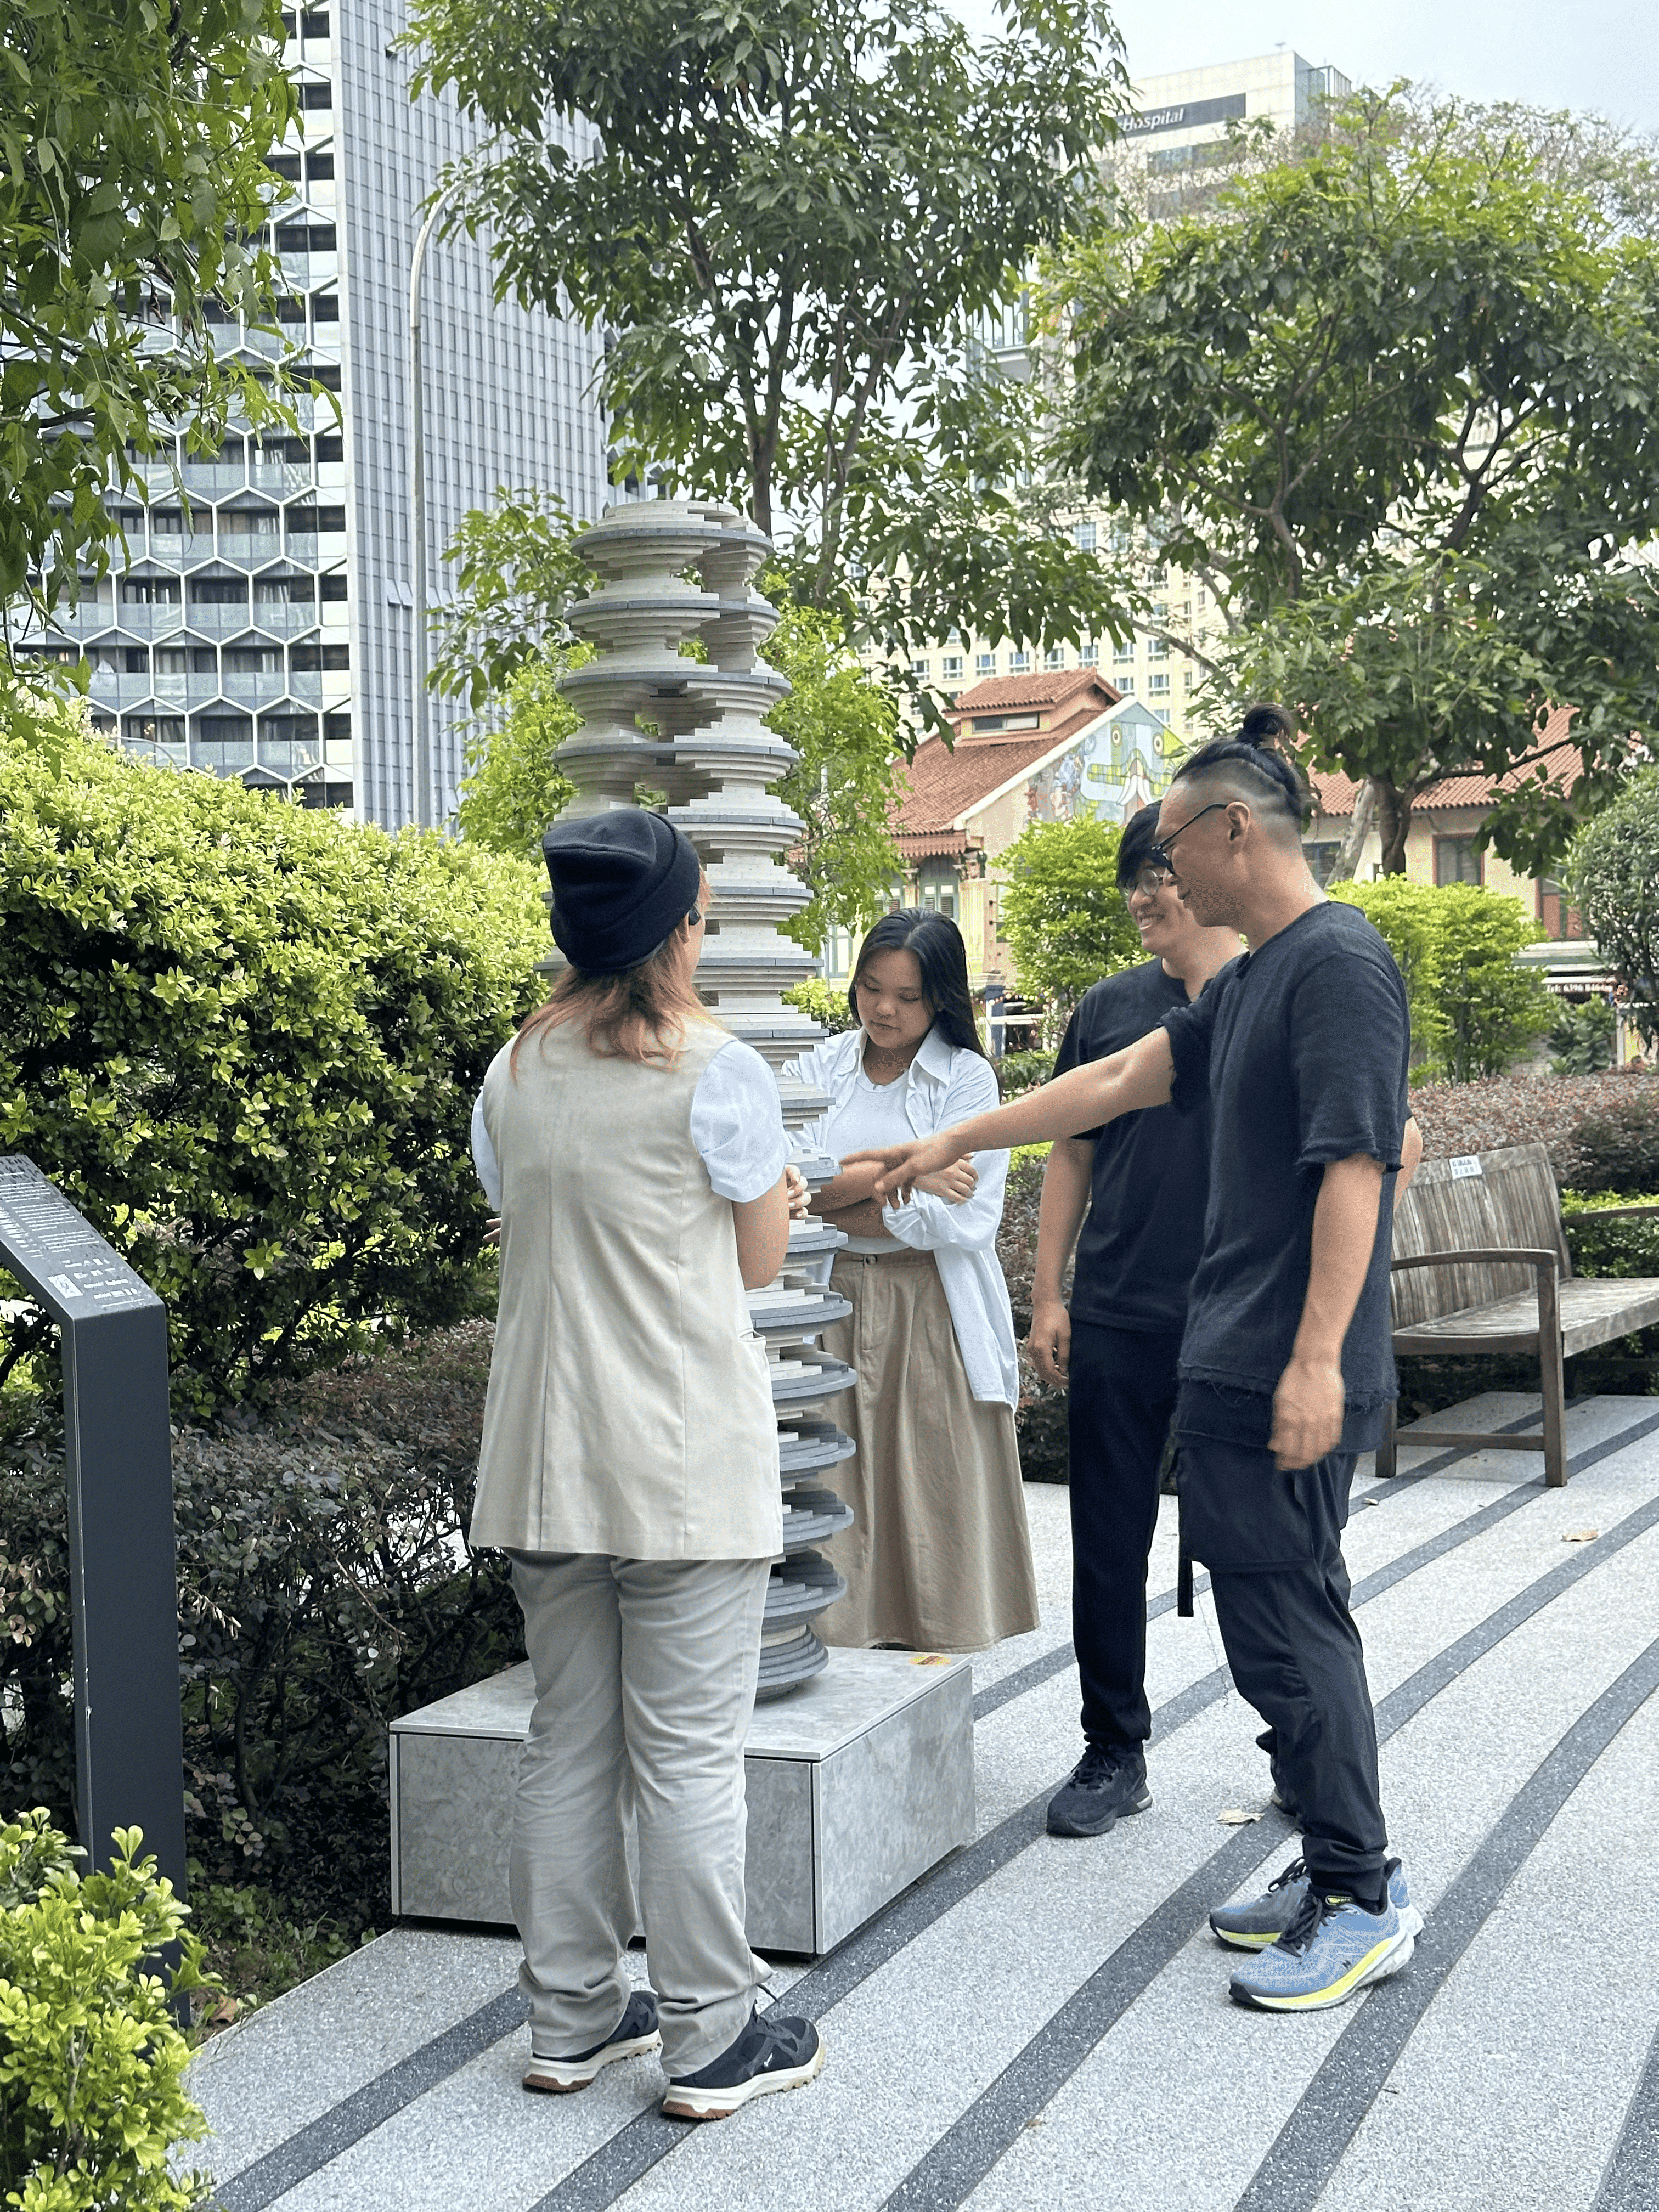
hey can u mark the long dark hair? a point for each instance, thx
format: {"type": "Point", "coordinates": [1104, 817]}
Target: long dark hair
{"type": "Point", "coordinates": [943, 958]}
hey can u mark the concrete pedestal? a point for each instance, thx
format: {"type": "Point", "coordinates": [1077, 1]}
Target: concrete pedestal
{"type": "Point", "coordinates": [857, 1784]}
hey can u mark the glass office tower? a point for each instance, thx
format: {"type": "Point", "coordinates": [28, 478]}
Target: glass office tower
{"type": "Point", "coordinates": [265, 629]}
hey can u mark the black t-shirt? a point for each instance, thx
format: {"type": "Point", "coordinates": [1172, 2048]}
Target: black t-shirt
{"type": "Point", "coordinates": [1140, 1239]}
{"type": "Point", "coordinates": [1299, 1051]}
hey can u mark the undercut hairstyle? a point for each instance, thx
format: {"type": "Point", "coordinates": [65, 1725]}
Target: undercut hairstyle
{"type": "Point", "coordinates": [1253, 766]}
{"type": "Point", "coordinates": [943, 959]}
{"type": "Point", "coordinates": [1139, 839]}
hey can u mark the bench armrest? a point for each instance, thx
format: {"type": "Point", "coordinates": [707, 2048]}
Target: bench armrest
{"type": "Point", "coordinates": [1520, 1255]}
{"type": "Point", "coordinates": [1606, 1213]}
{"type": "Point", "coordinates": [1547, 1264]}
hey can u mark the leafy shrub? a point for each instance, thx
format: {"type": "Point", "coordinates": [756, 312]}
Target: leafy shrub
{"type": "Point", "coordinates": [1612, 870]}
{"type": "Point", "coordinates": [323, 1589]}
{"type": "Point", "coordinates": [1025, 1071]}
{"type": "Point", "coordinates": [1610, 1247]}
{"type": "Point", "coordinates": [243, 1038]}
{"type": "Point", "coordinates": [1473, 1010]}
{"type": "Point", "coordinates": [1583, 1039]}
{"type": "Point", "coordinates": [1062, 913]}
{"type": "Point", "coordinates": [1619, 1146]}
{"type": "Point", "coordinates": [92, 2095]}
{"type": "Point", "coordinates": [825, 1002]}
{"type": "Point", "coordinates": [1025, 1166]}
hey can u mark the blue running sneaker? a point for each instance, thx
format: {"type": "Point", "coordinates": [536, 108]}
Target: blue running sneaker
{"type": "Point", "coordinates": [1332, 1949]}
{"type": "Point", "coordinates": [1253, 1926]}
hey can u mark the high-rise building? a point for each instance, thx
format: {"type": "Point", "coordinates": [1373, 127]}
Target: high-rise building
{"type": "Point", "coordinates": [264, 628]}
{"type": "Point", "coordinates": [1180, 114]}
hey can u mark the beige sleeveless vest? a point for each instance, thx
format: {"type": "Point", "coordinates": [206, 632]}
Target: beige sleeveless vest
{"type": "Point", "coordinates": [629, 1409]}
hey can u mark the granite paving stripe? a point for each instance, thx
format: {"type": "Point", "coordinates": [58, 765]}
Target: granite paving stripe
{"type": "Point", "coordinates": [823, 1985]}
{"type": "Point", "coordinates": [647, 2137]}
{"type": "Point", "coordinates": [358, 2115]}
{"type": "Point", "coordinates": [965, 2154]}
{"type": "Point", "coordinates": [1630, 2183]}
{"type": "Point", "coordinates": [1293, 2175]}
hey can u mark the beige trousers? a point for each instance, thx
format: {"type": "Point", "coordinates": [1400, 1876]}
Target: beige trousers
{"type": "Point", "coordinates": [645, 1682]}
{"type": "Point", "coordinates": [939, 1557]}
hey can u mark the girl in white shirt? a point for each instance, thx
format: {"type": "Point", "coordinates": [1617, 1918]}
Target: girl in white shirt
{"type": "Point", "coordinates": [938, 1558]}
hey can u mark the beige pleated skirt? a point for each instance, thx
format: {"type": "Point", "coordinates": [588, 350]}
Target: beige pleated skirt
{"type": "Point", "coordinates": [939, 1558]}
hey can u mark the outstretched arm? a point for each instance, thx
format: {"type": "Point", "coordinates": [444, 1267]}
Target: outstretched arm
{"type": "Point", "coordinates": [1140, 1075]}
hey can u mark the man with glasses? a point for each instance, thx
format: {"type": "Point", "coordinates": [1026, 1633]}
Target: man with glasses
{"type": "Point", "coordinates": [1135, 1188]}
{"type": "Point", "coordinates": [1299, 1050]}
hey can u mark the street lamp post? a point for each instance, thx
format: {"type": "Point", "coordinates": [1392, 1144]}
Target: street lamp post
{"type": "Point", "coordinates": [423, 770]}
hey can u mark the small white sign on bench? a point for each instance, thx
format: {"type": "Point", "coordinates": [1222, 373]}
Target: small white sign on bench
{"type": "Point", "coordinates": [1462, 1165]}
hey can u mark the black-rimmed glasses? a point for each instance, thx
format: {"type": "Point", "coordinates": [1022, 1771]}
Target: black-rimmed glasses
{"type": "Point", "coordinates": [1159, 855]}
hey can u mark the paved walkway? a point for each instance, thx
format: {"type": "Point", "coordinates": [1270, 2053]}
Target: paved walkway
{"type": "Point", "coordinates": [1045, 2024]}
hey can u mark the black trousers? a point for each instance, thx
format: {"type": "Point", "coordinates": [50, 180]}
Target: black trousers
{"type": "Point", "coordinates": [1273, 1543]}
{"type": "Point", "coordinates": [1121, 1397]}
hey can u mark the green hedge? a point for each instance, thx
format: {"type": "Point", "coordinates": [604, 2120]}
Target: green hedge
{"type": "Point", "coordinates": [92, 2098]}
{"type": "Point", "coordinates": [1473, 1010]}
{"type": "Point", "coordinates": [244, 1039]}
{"type": "Point", "coordinates": [1609, 1248]}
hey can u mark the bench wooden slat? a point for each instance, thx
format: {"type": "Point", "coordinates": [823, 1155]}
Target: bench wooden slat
{"type": "Point", "coordinates": [1594, 1310]}
{"type": "Point", "coordinates": [1502, 1198]}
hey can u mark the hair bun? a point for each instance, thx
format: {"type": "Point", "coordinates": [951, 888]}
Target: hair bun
{"type": "Point", "coordinates": [1266, 725]}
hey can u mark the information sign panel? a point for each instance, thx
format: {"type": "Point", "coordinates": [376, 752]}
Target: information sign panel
{"type": "Point", "coordinates": [129, 1739]}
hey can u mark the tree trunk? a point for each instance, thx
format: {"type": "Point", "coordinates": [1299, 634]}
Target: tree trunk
{"type": "Point", "coordinates": [1364, 813]}
{"type": "Point", "coordinates": [1394, 822]}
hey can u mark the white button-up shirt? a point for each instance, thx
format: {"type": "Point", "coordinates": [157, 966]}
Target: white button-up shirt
{"type": "Point", "coordinates": [945, 1084]}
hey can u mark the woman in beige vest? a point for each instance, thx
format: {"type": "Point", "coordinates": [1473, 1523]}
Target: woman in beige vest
{"type": "Point", "coordinates": [637, 1155]}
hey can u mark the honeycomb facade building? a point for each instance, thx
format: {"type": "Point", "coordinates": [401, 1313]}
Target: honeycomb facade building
{"type": "Point", "coordinates": [263, 626]}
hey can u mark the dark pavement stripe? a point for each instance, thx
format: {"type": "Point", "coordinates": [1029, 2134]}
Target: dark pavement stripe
{"type": "Point", "coordinates": [357, 2116]}
{"type": "Point", "coordinates": [965, 2154]}
{"type": "Point", "coordinates": [1310, 2144]}
{"type": "Point", "coordinates": [1630, 2183]}
{"type": "Point", "coordinates": [336, 2130]}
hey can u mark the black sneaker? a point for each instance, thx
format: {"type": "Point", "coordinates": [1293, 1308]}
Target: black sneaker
{"type": "Point", "coordinates": [635, 2033]}
{"type": "Point", "coordinates": [1106, 1783]}
{"type": "Point", "coordinates": [770, 2054]}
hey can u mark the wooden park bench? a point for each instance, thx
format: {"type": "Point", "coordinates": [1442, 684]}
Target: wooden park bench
{"type": "Point", "coordinates": [1481, 1266]}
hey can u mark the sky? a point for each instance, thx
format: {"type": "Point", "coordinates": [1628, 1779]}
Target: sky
{"type": "Point", "coordinates": [1597, 53]}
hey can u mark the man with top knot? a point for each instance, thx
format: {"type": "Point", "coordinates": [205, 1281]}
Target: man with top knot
{"type": "Point", "coordinates": [1299, 1050]}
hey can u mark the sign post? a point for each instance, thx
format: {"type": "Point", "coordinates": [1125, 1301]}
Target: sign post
{"type": "Point", "coordinates": [129, 1736]}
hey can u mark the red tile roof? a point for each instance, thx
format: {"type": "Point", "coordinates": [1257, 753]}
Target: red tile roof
{"type": "Point", "coordinates": [998, 693]}
{"type": "Point", "coordinates": [1558, 762]}
{"type": "Point", "coordinates": [944, 785]}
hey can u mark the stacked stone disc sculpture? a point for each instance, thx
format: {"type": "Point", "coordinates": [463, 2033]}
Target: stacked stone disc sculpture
{"type": "Point", "coordinates": [655, 721]}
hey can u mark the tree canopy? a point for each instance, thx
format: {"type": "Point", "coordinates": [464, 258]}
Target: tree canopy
{"type": "Point", "coordinates": [132, 190]}
{"type": "Point", "coordinates": [791, 219]}
{"type": "Point", "coordinates": [1613, 869]}
{"type": "Point", "coordinates": [1065, 921]}
{"type": "Point", "coordinates": [1394, 402]}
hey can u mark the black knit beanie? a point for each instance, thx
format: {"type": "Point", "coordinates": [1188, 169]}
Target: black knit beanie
{"type": "Point", "coordinates": [622, 883]}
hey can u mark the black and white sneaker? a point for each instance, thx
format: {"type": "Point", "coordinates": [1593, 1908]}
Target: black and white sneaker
{"type": "Point", "coordinates": [635, 2033]}
{"type": "Point", "coordinates": [770, 2054]}
{"type": "Point", "coordinates": [1106, 1783]}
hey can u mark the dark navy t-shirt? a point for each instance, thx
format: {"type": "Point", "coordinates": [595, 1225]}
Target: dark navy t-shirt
{"type": "Point", "coordinates": [1140, 1239]}
{"type": "Point", "coordinates": [1299, 1053]}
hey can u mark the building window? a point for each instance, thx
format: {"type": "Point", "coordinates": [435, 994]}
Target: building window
{"type": "Point", "coordinates": [936, 888]}
{"type": "Point", "coordinates": [1157, 648]}
{"type": "Point", "coordinates": [1019, 662]}
{"type": "Point", "coordinates": [1157, 683]}
{"type": "Point", "coordinates": [1126, 684]}
{"type": "Point", "coordinates": [316, 95]}
{"type": "Point", "coordinates": [1123, 652]}
{"type": "Point", "coordinates": [1456, 860]}
{"type": "Point", "coordinates": [985, 664]}
{"type": "Point", "coordinates": [922, 668]}
{"type": "Point", "coordinates": [1559, 919]}
{"type": "Point", "coordinates": [1088, 655]}
{"type": "Point", "coordinates": [951, 667]}
{"type": "Point", "coordinates": [1055, 657]}
{"type": "Point", "coordinates": [150, 591]}
{"type": "Point", "coordinates": [1085, 537]}
{"type": "Point", "coordinates": [1189, 677]}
